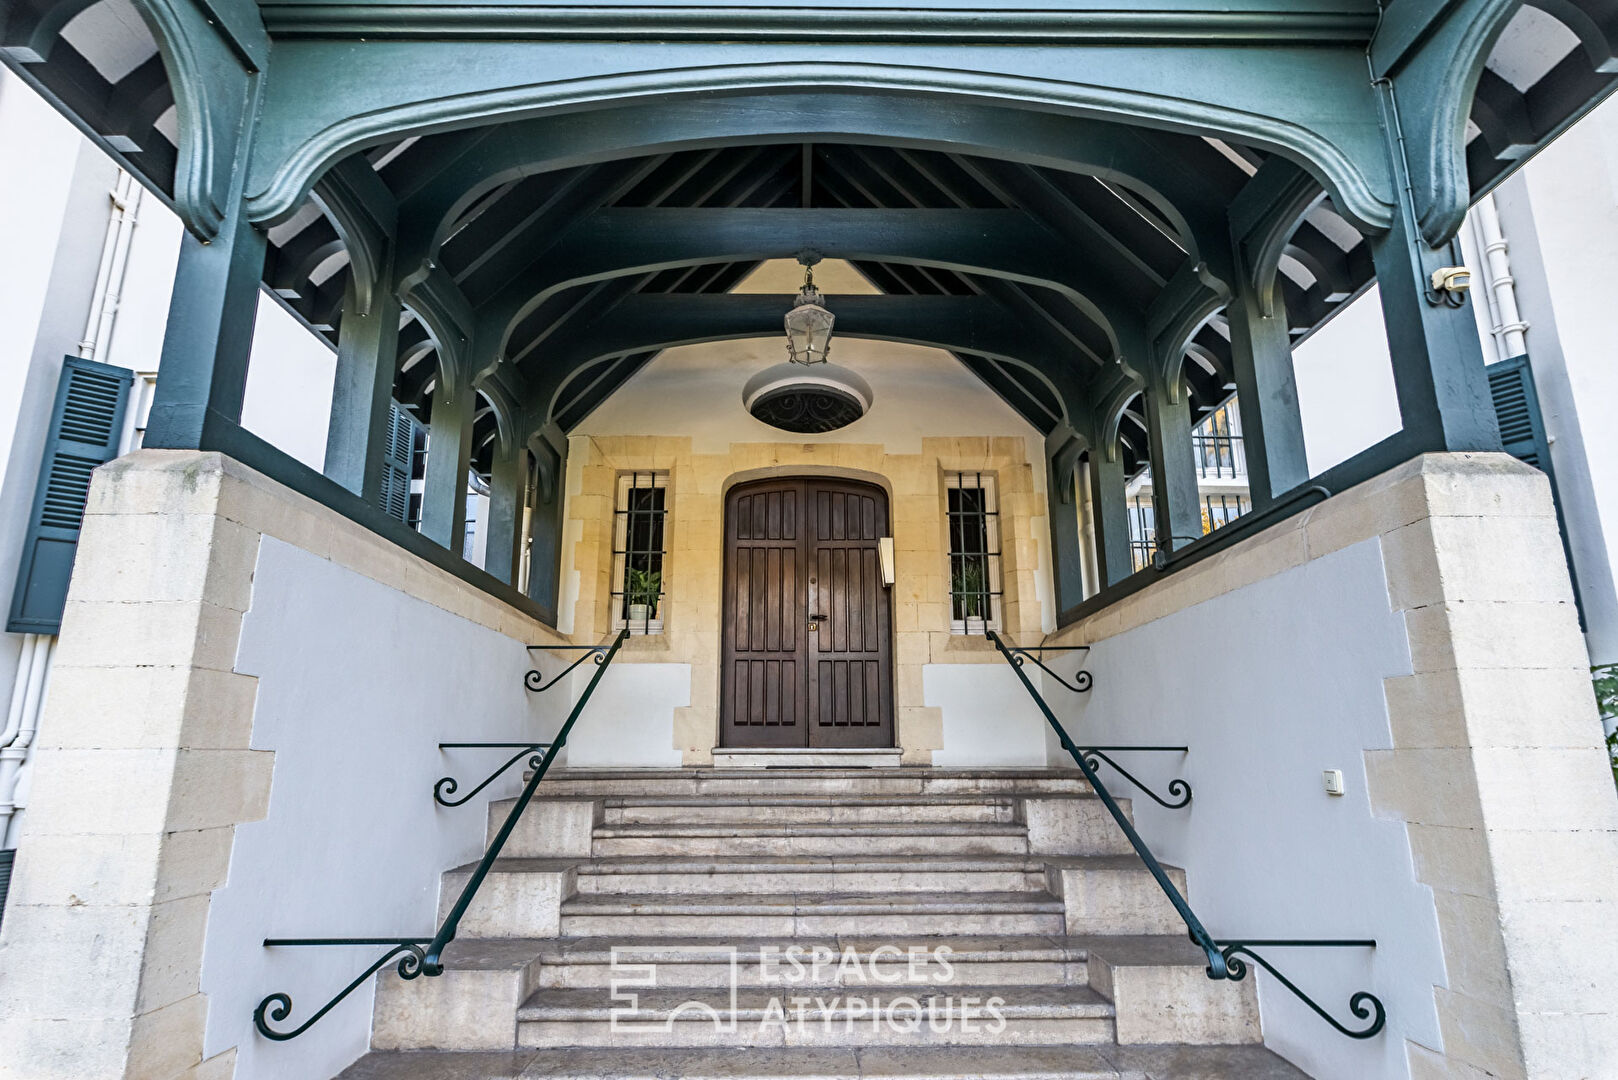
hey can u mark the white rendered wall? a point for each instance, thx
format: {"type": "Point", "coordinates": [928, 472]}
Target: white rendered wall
{"type": "Point", "coordinates": [989, 719]}
{"type": "Point", "coordinates": [1345, 385]}
{"type": "Point", "coordinates": [630, 721]}
{"type": "Point", "coordinates": [289, 381]}
{"type": "Point", "coordinates": [357, 684]}
{"type": "Point", "coordinates": [1269, 685]}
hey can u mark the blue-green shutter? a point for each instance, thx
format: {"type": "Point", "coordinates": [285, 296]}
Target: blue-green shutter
{"type": "Point", "coordinates": [86, 426]}
{"type": "Point", "coordinates": [397, 461]}
{"type": "Point", "coordinates": [1523, 434]}
{"type": "Point", "coordinates": [1522, 425]}
{"type": "Point", "coordinates": [6, 858]}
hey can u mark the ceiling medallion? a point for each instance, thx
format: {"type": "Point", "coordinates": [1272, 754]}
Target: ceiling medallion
{"type": "Point", "coordinates": [804, 402]}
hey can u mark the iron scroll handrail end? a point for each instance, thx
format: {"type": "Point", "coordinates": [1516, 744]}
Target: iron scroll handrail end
{"type": "Point", "coordinates": [534, 680]}
{"type": "Point", "coordinates": [1199, 935]}
{"type": "Point", "coordinates": [1225, 960]}
{"type": "Point", "coordinates": [432, 963]}
{"type": "Point", "coordinates": [448, 785]}
{"type": "Point", "coordinates": [424, 956]}
{"type": "Point", "coordinates": [1362, 1003]}
{"type": "Point", "coordinates": [1179, 789]}
{"type": "Point", "coordinates": [278, 1006]}
{"type": "Point", "coordinates": [1082, 680]}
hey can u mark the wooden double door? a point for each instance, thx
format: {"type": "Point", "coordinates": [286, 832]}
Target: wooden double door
{"type": "Point", "coordinates": [806, 621]}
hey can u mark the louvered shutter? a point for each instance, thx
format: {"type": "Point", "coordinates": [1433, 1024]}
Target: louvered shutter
{"type": "Point", "coordinates": [85, 429]}
{"type": "Point", "coordinates": [396, 462]}
{"type": "Point", "coordinates": [1522, 425]}
{"type": "Point", "coordinates": [1523, 435]}
{"type": "Point", "coordinates": [6, 858]}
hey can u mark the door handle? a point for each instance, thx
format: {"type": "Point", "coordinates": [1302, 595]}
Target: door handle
{"type": "Point", "coordinates": [815, 621]}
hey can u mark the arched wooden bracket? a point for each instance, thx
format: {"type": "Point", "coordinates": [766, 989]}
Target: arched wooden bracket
{"type": "Point", "coordinates": [1064, 466]}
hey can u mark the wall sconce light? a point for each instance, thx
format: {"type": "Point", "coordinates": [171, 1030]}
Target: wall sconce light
{"type": "Point", "coordinates": [884, 554]}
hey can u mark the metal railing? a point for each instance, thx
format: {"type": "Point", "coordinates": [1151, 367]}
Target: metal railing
{"type": "Point", "coordinates": [1224, 957]}
{"type": "Point", "coordinates": [1219, 456]}
{"type": "Point", "coordinates": [424, 956]}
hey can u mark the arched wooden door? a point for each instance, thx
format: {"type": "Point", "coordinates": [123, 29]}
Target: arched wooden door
{"type": "Point", "coordinates": [807, 624]}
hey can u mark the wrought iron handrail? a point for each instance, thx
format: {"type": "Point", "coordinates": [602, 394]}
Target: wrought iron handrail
{"type": "Point", "coordinates": [448, 785]}
{"type": "Point", "coordinates": [432, 963]}
{"type": "Point", "coordinates": [418, 960]}
{"type": "Point", "coordinates": [1223, 959]}
{"type": "Point", "coordinates": [534, 679]}
{"type": "Point", "coordinates": [1082, 680]}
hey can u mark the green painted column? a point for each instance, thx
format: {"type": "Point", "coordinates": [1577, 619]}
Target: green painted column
{"type": "Point", "coordinates": [1444, 400]}
{"type": "Point", "coordinates": [1437, 359]}
{"type": "Point", "coordinates": [209, 337]}
{"type": "Point", "coordinates": [1176, 504]}
{"type": "Point", "coordinates": [1110, 509]}
{"type": "Point", "coordinates": [362, 388]}
{"type": "Point", "coordinates": [549, 449]}
{"type": "Point", "coordinates": [508, 497]}
{"type": "Point", "coordinates": [1267, 394]}
{"type": "Point", "coordinates": [449, 455]}
{"type": "Point", "coordinates": [1062, 450]}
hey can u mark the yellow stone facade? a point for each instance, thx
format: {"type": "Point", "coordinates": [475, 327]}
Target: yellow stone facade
{"type": "Point", "coordinates": [694, 570]}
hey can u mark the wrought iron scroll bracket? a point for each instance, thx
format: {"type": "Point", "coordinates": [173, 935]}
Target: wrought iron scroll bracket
{"type": "Point", "coordinates": [278, 1006]}
{"type": "Point", "coordinates": [447, 785]}
{"type": "Point", "coordinates": [1179, 790]}
{"type": "Point", "coordinates": [1082, 681]}
{"type": "Point", "coordinates": [1363, 1004]}
{"type": "Point", "coordinates": [534, 680]}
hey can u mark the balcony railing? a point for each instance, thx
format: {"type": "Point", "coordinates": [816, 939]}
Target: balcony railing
{"type": "Point", "coordinates": [1219, 457]}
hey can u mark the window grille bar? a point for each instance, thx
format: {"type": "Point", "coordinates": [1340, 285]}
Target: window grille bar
{"type": "Point", "coordinates": [972, 512]}
{"type": "Point", "coordinates": [638, 560]}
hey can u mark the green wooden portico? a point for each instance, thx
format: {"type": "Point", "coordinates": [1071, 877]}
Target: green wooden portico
{"type": "Point", "coordinates": [1115, 217]}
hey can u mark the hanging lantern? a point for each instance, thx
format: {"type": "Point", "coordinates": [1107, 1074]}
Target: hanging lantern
{"type": "Point", "coordinates": [809, 324]}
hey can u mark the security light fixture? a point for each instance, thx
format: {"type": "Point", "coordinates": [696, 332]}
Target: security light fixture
{"type": "Point", "coordinates": [1452, 279]}
{"type": "Point", "coordinates": [809, 324]}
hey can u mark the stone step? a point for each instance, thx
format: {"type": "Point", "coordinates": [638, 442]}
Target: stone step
{"type": "Point", "coordinates": [1162, 993]}
{"type": "Point", "coordinates": [473, 1005]}
{"type": "Point", "coordinates": [842, 1016]}
{"type": "Point", "coordinates": [592, 783]}
{"type": "Point", "coordinates": [810, 809]}
{"type": "Point", "coordinates": [755, 915]}
{"type": "Point", "coordinates": [953, 838]}
{"type": "Point", "coordinates": [1157, 985]}
{"type": "Point", "coordinates": [836, 1063]}
{"type": "Point", "coordinates": [684, 875]}
{"type": "Point", "coordinates": [923, 961]}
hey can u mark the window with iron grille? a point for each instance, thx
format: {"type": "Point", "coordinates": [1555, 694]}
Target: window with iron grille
{"type": "Point", "coordinates": [640, 521]}
{"type": "Point", "coordinates": [1217, 447]}
{"type": "Point", "coordinates": [974, 551]}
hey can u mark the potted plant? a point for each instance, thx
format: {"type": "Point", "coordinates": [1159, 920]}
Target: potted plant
{"type": "Point", "coordinates": [643, 589]}
{"type": "Point", "coordinates": [971, 593]}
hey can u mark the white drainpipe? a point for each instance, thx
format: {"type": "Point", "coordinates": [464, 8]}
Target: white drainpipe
{"type": "Point", "coordinates": [110, 273]}
{"type": "Point", "coordinates": [1506, 323]}
{"type": "Point", "coordinates": [34, 659]}
{"type": "Point", "coordinates": [22, 721]}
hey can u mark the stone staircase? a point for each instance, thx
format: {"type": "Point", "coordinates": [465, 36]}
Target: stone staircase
{"type": "Point", "coordinates": [832, 923]}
